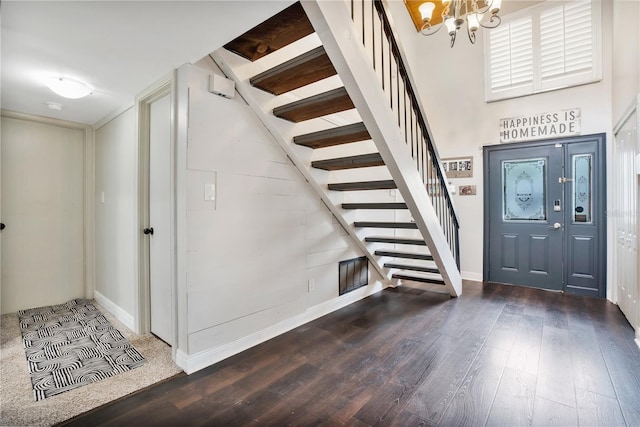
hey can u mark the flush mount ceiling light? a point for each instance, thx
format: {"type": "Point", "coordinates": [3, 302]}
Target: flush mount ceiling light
{"type": "Point", "coordinates": [452, 14]}
{"type": "Point", "coordinates": [68, 88]}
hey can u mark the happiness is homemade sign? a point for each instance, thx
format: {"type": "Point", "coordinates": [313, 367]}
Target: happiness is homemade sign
{"type": "Point", "coordinates": [540, 126]}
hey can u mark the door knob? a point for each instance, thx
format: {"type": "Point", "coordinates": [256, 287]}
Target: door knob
{"type": "Point", "coordinates": [556, 226]}
{"type": "Point", "coordinates": [148, 231]}
{"type": "Point", "coordinates": [2, 226]}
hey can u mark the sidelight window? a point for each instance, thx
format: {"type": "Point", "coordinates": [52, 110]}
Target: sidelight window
{"type": "Point", "coordinates": [582, 187]}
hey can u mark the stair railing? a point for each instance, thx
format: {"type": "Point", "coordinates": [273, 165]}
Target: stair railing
{"type": "Point", "coordinates": [389, 62]}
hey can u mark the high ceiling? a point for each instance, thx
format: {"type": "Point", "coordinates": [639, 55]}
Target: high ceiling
{"type": "Point", "coordinates": [119, 48]}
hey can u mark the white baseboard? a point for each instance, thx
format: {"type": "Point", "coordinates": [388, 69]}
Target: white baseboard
{"type": "Point", "coordinates": [205, 358]}
{"type": "Point", "coordinates": [115, 310]}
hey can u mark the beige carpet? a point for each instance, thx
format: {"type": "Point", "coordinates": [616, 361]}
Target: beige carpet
{"type": "Point", "coordinates": [17, 406]}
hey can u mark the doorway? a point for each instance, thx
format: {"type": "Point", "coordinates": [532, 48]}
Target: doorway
{"type": "Point", "coordinates": [42, 227]}
{"type": "Point", "coordinates": [157, 227]}
{"type": "Point", "coordinates": [545, 219]}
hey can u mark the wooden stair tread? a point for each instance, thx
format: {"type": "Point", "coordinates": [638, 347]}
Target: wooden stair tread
{"type": "Point", "coordinates": [406, 255]}
{"type": "Point", "coordinates": [418, 279]}
{"type": "Point", "coordinates": [351, 162]}
{"type": "Point", "coordinates": [412, 267]}
{"type": "Point", "coordinates": [325, 103]}
{"type": "Point", "coordinates": [300, 71]}
{"type": "Point", "coordinates": [365, 185]}
{"type": "Point", "coordinates": [395, 240]}
{"type": "Point", "coordinates": [374, 206]}
{"type": "Point", "coordinates": [280, 30]}
{"type": "Point", "coordinates": [334, 136]}
{"type": "Point", "coordinates": [377, 224]}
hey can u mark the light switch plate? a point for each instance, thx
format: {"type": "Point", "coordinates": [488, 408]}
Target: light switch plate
{"type": "Point", "coordinates": [209, 192]}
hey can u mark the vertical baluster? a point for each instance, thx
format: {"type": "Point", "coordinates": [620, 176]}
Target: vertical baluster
{"type": "Point", "coordinates": [411, 121]}
{"type": "Point", "coordinates": [441, 198]}
{"type": "Point", "coordinates": [415, 130]}
{"type": "Point", "coordinates": [430, 177]}
{"type": "Point", "coordinates": [419, 151]}
{"type": "Point", "coordinates": [449, 233]}
{"type": "Point", "coordinates": [390, 73]}
{"type": "Point", "coordinates": [373, 37]}
{"type": "Point", "coordinates": [363, 33]}
{"type": "Point", "coordinates": [422, 164]}
{"type": "Point", "coordinates": [457, 254]}
{"type": "Point", "coordinates": [454, 243]}
{"type": "Point", "coordinates": [406, 134]}
{"type": "Point", "coordinates": [398, 91]}
{"type": "Point", "coordinates": [425, 158]}
{"type": "Point", "coordinates": [382, 55]}
{"type": "Point", "coordinates": [422, 155]}
{"type": "Point", "coordinates": [420, 136]}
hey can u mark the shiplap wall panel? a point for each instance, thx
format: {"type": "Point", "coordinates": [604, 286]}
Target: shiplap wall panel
{"type": "Point", "coordinates": [251, 253]}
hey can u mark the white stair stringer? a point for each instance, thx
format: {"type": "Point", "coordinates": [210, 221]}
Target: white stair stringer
{"type": "Point", "coordinates": [271, 123]}
{"type": "Point", "coordinates": [332, 23]}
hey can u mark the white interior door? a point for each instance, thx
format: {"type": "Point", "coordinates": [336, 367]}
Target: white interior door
{"type": "Point", "coordinates": [627, 148]}
{"type": "Point", "coordinates": [160, 218]}
{"type": "Point", "coordinates": [43, 209]}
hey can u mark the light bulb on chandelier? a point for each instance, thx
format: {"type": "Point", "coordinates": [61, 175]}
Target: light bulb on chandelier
{"type": "Point", "coordinates": [456, 12]}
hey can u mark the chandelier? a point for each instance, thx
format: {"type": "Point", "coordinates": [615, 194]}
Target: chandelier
{"type": "Point", "coordinates": [456, 12]}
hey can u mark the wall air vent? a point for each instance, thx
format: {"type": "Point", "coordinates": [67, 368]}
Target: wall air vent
{"type": "Point", "coordinates": [354, 273]}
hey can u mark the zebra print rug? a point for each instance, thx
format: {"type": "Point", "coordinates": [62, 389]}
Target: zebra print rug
{"type": "Point", "coordinates": [72, 344]}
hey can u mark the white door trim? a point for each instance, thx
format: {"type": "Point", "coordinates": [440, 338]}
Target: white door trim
{"type": "Point", "coordinates": [144, 100]}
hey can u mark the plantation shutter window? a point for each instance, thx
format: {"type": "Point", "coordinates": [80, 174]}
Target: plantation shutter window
{"type": "Point", "coordinates": [511, 65]}
{"type": "Point", "coordinates": [549, 46]}
{"type": "Point", "coordinates": [566, 45]}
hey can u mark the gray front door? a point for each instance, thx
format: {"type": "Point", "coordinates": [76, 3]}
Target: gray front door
{"type": "Point", "coordinates": [545, 214]}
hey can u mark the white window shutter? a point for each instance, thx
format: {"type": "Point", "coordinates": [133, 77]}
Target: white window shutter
{"type": "Point", "coordinates": [510, 58]}
{"type": "Point", "coordinates": [500, 58]}
{"type": "Point", "coordinates": [554, 45]}
{"type": "Point", "coordinates": [521, 51]}
{"type": "Point", "coordinates": [552, 57]}
{"type": "Point", "coordinates": [578, 37]}
{"type": "Point", "coordinates": [565, 40]}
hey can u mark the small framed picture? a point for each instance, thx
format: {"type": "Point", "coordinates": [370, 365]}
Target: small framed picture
{"type": "Point", "coordinates": [458, 167]}
{"type": "Point", "coordinates": [467, 190]}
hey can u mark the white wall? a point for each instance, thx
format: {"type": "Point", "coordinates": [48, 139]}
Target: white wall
{"type": "Point", "coordinates": [251, 253]}
{"type": "Point", "coordinates": [626, 55]}
{"type": "Point", "coordinates": [116, 280]}
{"type": "Point", "coordinates": [43, 209]}
{"type": "Point", "coordinates": [451, 84]}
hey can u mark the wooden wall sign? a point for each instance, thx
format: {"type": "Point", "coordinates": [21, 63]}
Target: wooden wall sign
{"type": "Point", "coordinates": [540, 126]}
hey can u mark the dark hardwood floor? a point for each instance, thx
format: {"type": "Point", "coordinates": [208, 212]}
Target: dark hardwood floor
{"type": "Point", "coordinates": [498, 355]}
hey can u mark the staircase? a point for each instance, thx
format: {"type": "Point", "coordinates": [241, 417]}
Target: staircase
{"type": "Point", "coordinates": [366, 155]}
